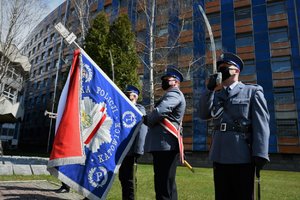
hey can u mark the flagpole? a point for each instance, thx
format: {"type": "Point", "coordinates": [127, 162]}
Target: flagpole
{"type": "Point", "coordinates": [56, 79]}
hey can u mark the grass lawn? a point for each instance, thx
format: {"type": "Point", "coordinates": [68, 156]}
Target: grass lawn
{"type": "Point", "coordinates": [275, 185]}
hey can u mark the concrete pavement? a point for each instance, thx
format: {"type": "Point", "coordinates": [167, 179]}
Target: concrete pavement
{"type": "Point", "coordinates": [29, 190]}
{"type": "Point", "coordinates": [34, 190]}
{"type": "Point", "coordinates": [23, 165]}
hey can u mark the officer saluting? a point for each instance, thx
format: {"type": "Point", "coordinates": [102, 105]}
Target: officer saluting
{"type": "Point", "coordinates": [159, 141]}
{"type": "Point", "coordinates": [241, 130]}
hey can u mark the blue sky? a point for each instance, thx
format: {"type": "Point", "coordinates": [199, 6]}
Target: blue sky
{"type": "Point", "coordinates": [51, 5]}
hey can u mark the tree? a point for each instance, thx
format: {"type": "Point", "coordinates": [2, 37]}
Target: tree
{"type": "Point", "coordinates": [168, 25]}
{"type": "Point", "coordinates": [118, 39]}
{"type": "Point", "coordinates": [96, 43]}
{"type": "Point", "coordinates": [82, 11]}
{"type": "Point", "coordinates": [17, 19]}
{"type": "Point", "coordinates": [159, 46]}
{"type": "Point", "coordinates": [122, 45]}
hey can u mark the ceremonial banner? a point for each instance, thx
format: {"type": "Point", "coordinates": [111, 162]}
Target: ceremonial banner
{"type": "Point", "coordinates": [103, 129]}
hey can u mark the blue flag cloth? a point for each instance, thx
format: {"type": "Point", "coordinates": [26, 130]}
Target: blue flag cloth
{"type": "Point", "coordinates": [108, 126]}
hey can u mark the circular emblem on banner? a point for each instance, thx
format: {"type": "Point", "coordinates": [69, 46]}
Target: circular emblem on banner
{"type": "Point", "coordinates": [96, 124]}
{"type": "Point", "coordinates": [129, 119]}
{"type": "Point", "coordinates": [87, 73]}
{"type": "Point", "coordinates": [97, 176]}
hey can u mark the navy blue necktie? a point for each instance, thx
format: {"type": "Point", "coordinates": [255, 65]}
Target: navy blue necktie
{"type": "Point", "coordinates": [228, 90]}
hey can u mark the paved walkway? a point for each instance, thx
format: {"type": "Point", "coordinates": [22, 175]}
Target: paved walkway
{"type": "Point", "coordinates": [34, 190]}
{"type": "Point", "coordinates": [29, 190]}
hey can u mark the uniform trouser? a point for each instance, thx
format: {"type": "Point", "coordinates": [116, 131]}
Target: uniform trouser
{"type": "Point", "coordinates": [127, 177]}
{"type": "Point", "coordinates": [233, 181]}
{"type": "Point", "coordinates": [165, 164]}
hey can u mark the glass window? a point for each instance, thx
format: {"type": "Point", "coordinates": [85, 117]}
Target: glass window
{"type": "Point", "coordinates": [108, 9]}
{"type": "Point", "coordinates": [162, 9]}
{"type": "Point", "coordinates": [47, 66]}
{"type": "Point", "coordinates": [284, 95]}
{"type": "Point", "coordinates": [52, 37]}
{"type": "Point", "coordinates": [41, 70]}
{"type": "Point", "coordinates": [50, 51]}
{"type": "Point", "coordinates": [45, 42]}
{"type": "Point", "coordinates": [162, 30]}
{"type": "Point", "coordinates": [46, 82]}
{"type": "Point", "coordinates": [214, 18]}
{"type": "Point", "coordinates": [55, 63]}
{"type": "Point", "coordinates": [43, 99]}
{"type": "Point", "coordinates": [186, 49]}
{"type": "Point", "coordinates": [249, 68]}
{"type": "Point", "coordinates": [186, 5]}
{"type": "Point", "coordinates": [274, 8]}
{"type": "Point", "coordinates": [243, 40]}
{"type": "Point", "coordinates": [281, 64]}
{"type": "Point", "coordinates": [278, 35]}
{"type": "Point", "coordinates": [287, 127]}
{"type": "Point", "coordinates": [242, 13]}
{"type": "Point", "coordinates": [141, 36]}
{"type": "Point", "coordinates": [51, 95]}
{"type": "Point", "coordinates": [141, 15]}
{"type": "Point", "coordinates": [53, 78]}
{"type": "Point", "coordinates": [218, 44]}
{"type": "Point", "coordinates": [37, 100]}
{"type": "Point", "coordinates": [160, 53]}
{"type": "Point", "coordinates": [123, 3]}
{"type": "Point", "coordinates": [38, 85]}
{"type": "Point", "coordinates": [43, 56]}
{"type": "Point", "coordinates": [187, 24]}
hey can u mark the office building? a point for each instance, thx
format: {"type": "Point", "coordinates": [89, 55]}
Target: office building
{"type": "Point", "coordinates": [264, 33]}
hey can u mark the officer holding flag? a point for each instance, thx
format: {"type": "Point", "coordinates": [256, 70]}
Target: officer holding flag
{"type": "Point", "coordinates": [241, 129]}
{"type": "Point", "coordinates": [163, 144]}
{"type": "Point", "coordinates": [127, 170]}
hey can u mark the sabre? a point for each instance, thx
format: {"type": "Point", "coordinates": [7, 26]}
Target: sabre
{"type": "Point", "coordinates": [257, 185]}
{"type": "Point", "coordinates": [185, 163]}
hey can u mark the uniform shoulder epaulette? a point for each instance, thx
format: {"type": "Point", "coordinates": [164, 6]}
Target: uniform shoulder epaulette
{"type": "Point", "coordinates": [255, 86]}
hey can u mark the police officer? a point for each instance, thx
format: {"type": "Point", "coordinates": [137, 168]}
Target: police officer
{"type": "Point", "coordinates": [159, 141]}
{"type": "Point", "coordinates": [127, 169]}
{"type": "Point", "coordinates": [241, 130]}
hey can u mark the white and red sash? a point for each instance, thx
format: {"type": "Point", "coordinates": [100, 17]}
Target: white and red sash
{"type": "Point", "coordinates": [176, 133]}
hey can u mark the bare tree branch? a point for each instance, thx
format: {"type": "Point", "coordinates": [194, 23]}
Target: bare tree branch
{"type": "Point", "coordinates": [17, 21]}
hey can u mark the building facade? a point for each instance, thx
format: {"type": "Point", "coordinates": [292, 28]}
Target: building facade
{"type": "Point", "coordinates": [264, 33]}
{"type": "Point", "coordinates": [14, 71]}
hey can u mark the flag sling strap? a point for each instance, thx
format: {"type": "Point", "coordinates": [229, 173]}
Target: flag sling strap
{"type": "Point", "coordinates": [176, 133]}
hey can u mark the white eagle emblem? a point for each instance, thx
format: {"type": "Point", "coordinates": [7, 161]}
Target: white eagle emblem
{"type": "Point", "coordinates": [87, 73]}
{"type": "Point", "coordinates": [95, 124]}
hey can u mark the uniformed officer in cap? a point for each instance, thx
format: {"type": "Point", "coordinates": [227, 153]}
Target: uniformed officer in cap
{"type": "Point", "coordinates": [127, 170]}
{"type": "Point", "coordinates": [161, 143]}
{"type": "Point", "coordinates": [241, 130]}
